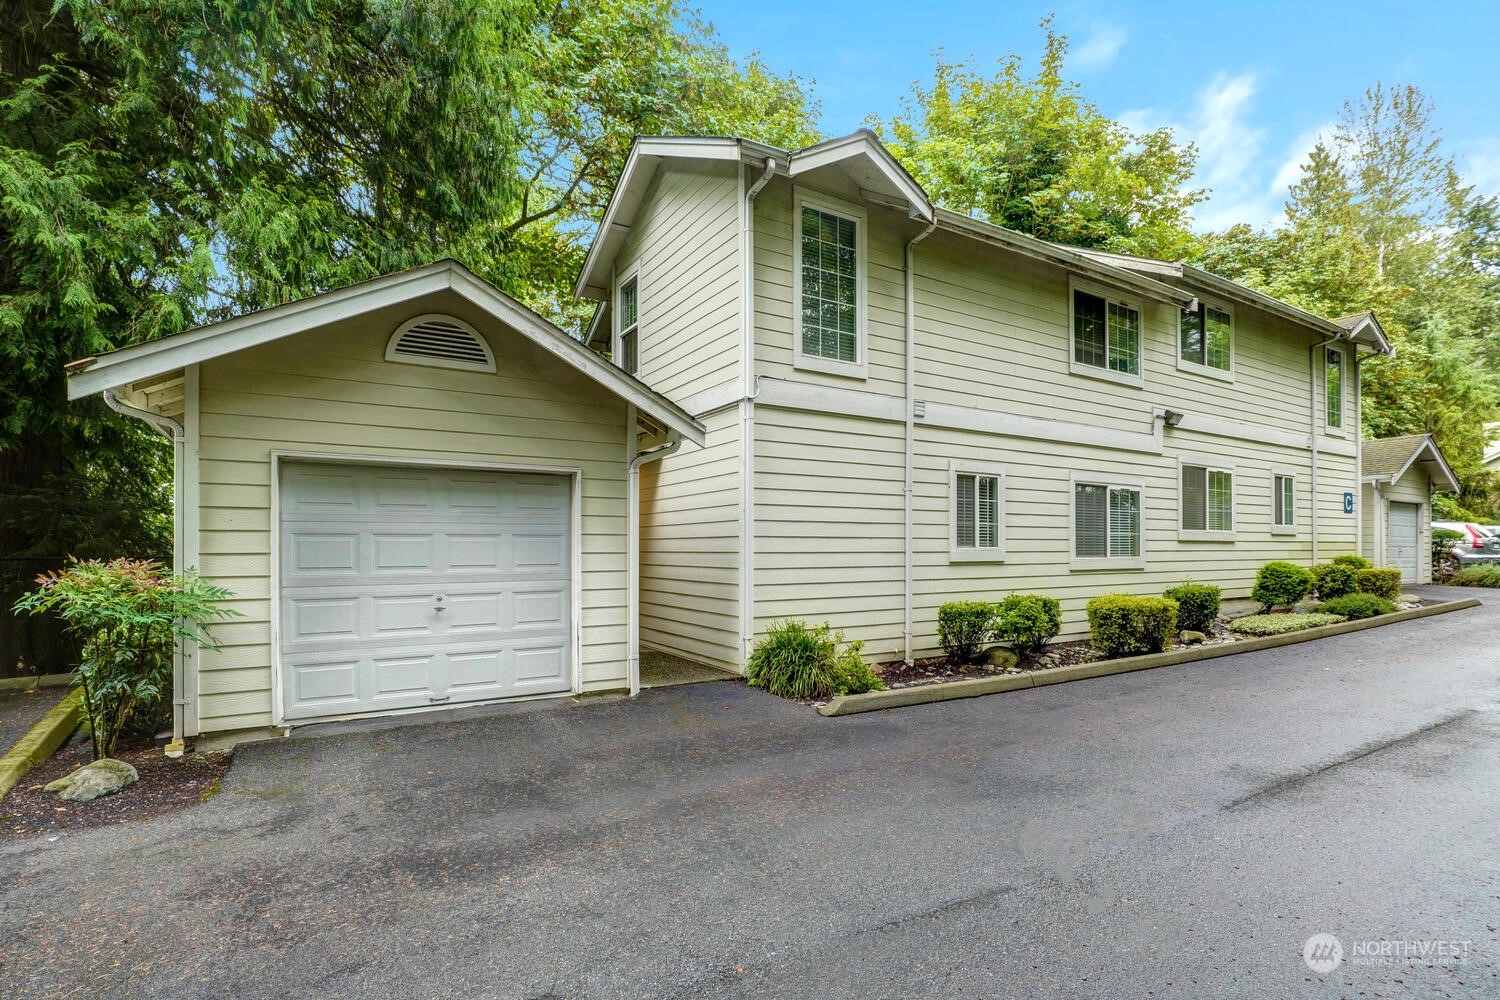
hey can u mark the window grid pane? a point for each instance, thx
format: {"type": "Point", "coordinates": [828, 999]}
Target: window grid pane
{"type": "Point", "coordinates": [1194, 497]}
{"type": "Point", "coordinates": [1124, 339]}
{"type": "Point", "coordinates": [830, 305]}
{"type": "Point", "coordinates": [987, 513]}
{"type": "Point", "coordinates": [1192, 336]}
{"type": "Point", "coordinates": [1220, 501]}
{"type": "Point", "coordinates": [964, 528]}
{"type": "Point", "coordinates": [1090, 521]}
{"type": "Point", "coordinates": [1088, 329]}
{"type": "Point", "coordinates": [1285, 501]}
{"type": "Point", "coordinates": [1216, 339]}
{"type": "Point", "coordinates": [1124, 522]}
{"type": "Point", "coordinates": [1335, 389]}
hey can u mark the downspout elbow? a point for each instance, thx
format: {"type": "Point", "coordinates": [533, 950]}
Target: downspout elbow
{"type": "Point", "coordinates": [166, 425]}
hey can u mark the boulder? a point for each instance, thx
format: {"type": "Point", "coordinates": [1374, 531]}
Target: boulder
{"type": "Point", "coordinates": [1191, 638]}
{"type": "Point", "coordinates": [103, 777]}
{"type": "Point", "coordinates": [1409, 599]}
{"type": "Point", "coordinates": [1000, 658]}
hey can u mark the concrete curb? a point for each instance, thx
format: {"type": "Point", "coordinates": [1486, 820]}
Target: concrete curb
{"type": "Point", "coordinates": [874, 701]}
{"type": "Point", "coordinates": [42, 740]}
{"type": "Point", "coordinates": [9, 684]}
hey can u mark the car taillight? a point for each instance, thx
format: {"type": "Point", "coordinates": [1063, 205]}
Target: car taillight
{"type": "Point", "coordinates": [1476, 539]}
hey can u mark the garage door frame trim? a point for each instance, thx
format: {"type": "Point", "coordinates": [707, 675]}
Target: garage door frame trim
{"type": "Point", "coordinates": [575, 568]}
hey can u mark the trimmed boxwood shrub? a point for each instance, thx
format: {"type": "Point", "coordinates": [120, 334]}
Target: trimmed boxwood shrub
{"type": "Point", "coordinates": [1335, 579]}
{"type": "Point", "coordinates": [1197, 605]}
{"type": "Point", "coordinates": [1357, 606]}
{"type": "Point", "coordinates": [1259, 625]}
{"type": "Point", "coordinates": [1477, 576]}
{"type": "Point", "coordinates": [1028, 622]}
{"type": "Point", "coordinates": [798, 661]}
{"type": "Point", "coordinates": [1380, 582]}
{"type": "Point", "coordinates": [1350, 559]}
{"type": "Point", "coordinates": [1281, 584]}
{"type": "Point", "coordinates": [963, 629]}
{"type": "Point", "coordinates": [1124, 624]}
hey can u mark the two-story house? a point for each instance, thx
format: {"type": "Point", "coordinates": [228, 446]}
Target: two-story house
{"type": "Point", "coordinates": [906, 406]}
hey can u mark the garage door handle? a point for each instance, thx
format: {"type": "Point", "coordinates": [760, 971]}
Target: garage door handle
{"type": "Point", "coordinates": [437, 602]}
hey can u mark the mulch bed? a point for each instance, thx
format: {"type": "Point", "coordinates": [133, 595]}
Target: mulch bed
{"type": "Point", "coordinates": [165, 785]}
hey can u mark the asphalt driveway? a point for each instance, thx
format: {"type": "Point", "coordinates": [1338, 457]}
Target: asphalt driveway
{"type": "Point", "coordinates": [1179, 832]}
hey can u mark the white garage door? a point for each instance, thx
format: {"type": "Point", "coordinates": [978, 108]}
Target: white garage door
{"type": "Point", "coordinates": [1402, 532]}
{"type": "Point", "coordinates": [405, 588]}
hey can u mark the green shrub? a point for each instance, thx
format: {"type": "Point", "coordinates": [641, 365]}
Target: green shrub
{"type": "Point", "coordinates": [1477, 576]}
{"type": "Point", "coordinates": [1335, 579]}
{"type": "Point", "coordinates": [963, 629]}
{"type": "Point", "coordinates": [128, 615]}
{"type": "Point", "coordinates": [1351, 560]}
{"type": "Point", "coordinates": [1028, 622]}
{"type": "Point", "coordinates": [1380, 582]}
{"type": "Point", "coordinates": [1123, 624]}
{"type": "Point", "coordinates": [1281, 584]}
{"type": "Point", "coordinates": [1197, 605]}
{"type": "Point", "coordinates": [798, 661]}
{"type": "Point", "coordinates": [1258, 625]}
{"type": "Point", "coordinates": [1357, 606]}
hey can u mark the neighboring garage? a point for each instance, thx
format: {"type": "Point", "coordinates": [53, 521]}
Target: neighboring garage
{"type": "Point", "coordinates": [1399, 476]}
{"type": "Point", "coordinates": [419, 492]}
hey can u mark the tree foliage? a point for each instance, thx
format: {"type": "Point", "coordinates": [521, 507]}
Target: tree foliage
{"type": "Point", "coordinates": [1034, 155]}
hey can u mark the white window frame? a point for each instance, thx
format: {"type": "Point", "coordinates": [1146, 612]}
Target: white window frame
{"type": "Point", "coordinates": [1208, 464]}
{"type": "Point", "coordinates": [976, 553]}
{"type": "Point", "coordinates": [1284, 529]}
{"type": "Point", "coordinates": [1077, 562]}
{"type": "Point", "coordinates": [1109, 295]}
{"type": "Point", "coordinates": [1207, 370]}
{"type": "Point", "coordinates": [1342, 429]}
{"type": "Point", "coordinates": [617, 335]}
{"type": "Point", "coordinates": [858, 368]}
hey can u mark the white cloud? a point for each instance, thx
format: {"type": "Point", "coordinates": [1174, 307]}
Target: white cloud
{"type": "Point", "coordinates": [1098, 51]}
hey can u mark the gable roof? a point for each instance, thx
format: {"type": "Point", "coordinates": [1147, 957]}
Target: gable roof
{"type": "Point", "coordinates": [866, 161]}
{"type": "Point", "coordinates": [1388, 459]}
{"type": "Point", "coordinates": [143, 361]}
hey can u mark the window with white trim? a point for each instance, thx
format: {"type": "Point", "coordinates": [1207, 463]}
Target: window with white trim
{"type": "Point", "coordinates": [978, 512]}
{"type": "Point", "coordinates": [1106, 334]}
{"type": "Point", "coordinates": [1206, 337]}
{"type": "Point", "coordinates": [1333, 389]}
{"type": "Point", "coordinates": [1107, 521]}
{"type": "Point", "coordinates": [1283, 501]}
{"type": "Point", "coordinates": [830, 288]}
{"type": "Point", "coordinates": [1207, 498]}
{"type": "Point", "coordinates": [629, 305]}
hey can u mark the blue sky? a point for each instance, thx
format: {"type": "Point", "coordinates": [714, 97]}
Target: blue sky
{"type": "Point", "coordinates": [1252, 83]}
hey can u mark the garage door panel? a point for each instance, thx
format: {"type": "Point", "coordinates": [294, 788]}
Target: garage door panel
{"type": "Point", "coordinates": [367, 551]}
{"type": "Point", "coordinates": [1403, 526]}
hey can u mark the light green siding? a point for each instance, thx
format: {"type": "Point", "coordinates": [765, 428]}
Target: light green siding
{"type": "Point", "coordinates": [690, 543]}
{"type": "Point", "coordinates": [330, 392]}
{"type": "Point", "coordinates": [684, 246]}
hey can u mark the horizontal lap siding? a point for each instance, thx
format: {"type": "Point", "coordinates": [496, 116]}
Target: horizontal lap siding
{"type": "Point", "coordinates": [330, 391]}
{"type": "Point", "coordinates": [829, 525]}
{"type": "Point", "coordinates": [690, 542]}
{"type": "Point", "coordinates": [685, 243]}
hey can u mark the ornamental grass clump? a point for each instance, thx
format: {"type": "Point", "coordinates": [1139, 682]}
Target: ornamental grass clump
{"type": "Point", "coordinates": [1281, 585]}
{"type": "Point", "coordinates": [1028, 622]}
{"type": "Point", "coordinates": [1477, 576]}
{"type": "Point", "coordinates": [963, 629]}
{"type": "Point", "coordinates": [128, 615]}
{"type": "Point", "coordinates": [798, 661]}
{"type": "Point", "coordinates": [1124, 624]}
{"type": "Point", "coordinates": [1197, 605]}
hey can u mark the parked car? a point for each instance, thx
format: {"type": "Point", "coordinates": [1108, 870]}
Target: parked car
{"type": "Point", "coordinates": [1479, 544]}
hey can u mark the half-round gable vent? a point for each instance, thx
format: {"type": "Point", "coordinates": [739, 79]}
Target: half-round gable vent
{"type": "Point", "coordinates": [442, 341]}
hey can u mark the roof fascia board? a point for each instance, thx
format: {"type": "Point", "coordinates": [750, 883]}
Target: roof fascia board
{"type": "Point", "coordinates": [1259, 300]}
{"type": "Point", "coordinates": [131, 364]}
{"type": "Point", "coordinates": [836, 151]}
{"type": "Point", "coordinates": [1144, 265]}
{"type": "Point", "coordinates": [1429, 447]}
{"type": "Point", "coordinates": [1051, 253]}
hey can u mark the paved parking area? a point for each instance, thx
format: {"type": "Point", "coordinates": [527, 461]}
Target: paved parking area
{"type": "Point", "coordinates": [1179, 832]}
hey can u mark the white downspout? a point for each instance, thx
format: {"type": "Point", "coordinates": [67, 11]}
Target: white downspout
{"type": "Point", "coordinates": [1359, 456]}
{"type": "Point", "coordinates": [177, 434]}
{"type": "Point", "coordinates": [908, 483]}
{"type": "Point", "coordinates": [633, 558]}
{"type": "Point", "coordinates": [1314, 432]}
{"type": "Point", "coordinates": [747, 407]}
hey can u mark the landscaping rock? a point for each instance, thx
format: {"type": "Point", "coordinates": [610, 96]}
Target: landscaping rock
{"type": "Point", "coordinates": [1191, 638]}
{"type": "Point", "coordinates": [1001, 658]}
{"type": "Point", "coordinates": [1409, 599]}
{"type": "Point", "coordinates": [102, 777]}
